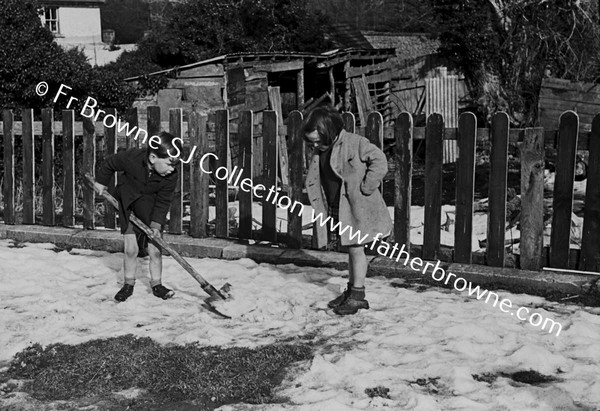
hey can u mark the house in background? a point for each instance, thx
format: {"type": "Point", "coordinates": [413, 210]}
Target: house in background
{"type": "Point", "coordinates": [76, 23]}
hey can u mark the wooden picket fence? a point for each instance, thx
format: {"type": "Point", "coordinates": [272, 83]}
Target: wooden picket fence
{"type": "Point", "coordinates": [567, 140]}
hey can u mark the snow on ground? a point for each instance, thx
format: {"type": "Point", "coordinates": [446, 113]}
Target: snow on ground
{"type": "Point", "coordinates": [424, 346]}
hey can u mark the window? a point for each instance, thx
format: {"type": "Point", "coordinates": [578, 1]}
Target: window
{"type": "Point", "coordinates": [51, 19]}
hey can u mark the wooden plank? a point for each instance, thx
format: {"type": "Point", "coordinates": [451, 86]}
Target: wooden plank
{"type": "Point", "coordinates": [275, 103]}
{"type": "Point", "coordinates": [153, 121]}
{"type": "Point", "coordinates": [331, 85]}
{"type": "Point", "coordinates": [48, 192]}
{"type": "Point", "coordinates": [465, 188]}
{"type": "Point", "coordinates": [222, 190]}
{"type": "Point", "coordinates": [300, 89]}
{"type": "Point", "coordinates": [132, 119]}
{"type": "Point", "coordinates": [269, 210]}
{"type": "Point", "coordinates": [296, 179]}
{"type": "Point", "coordinates": [110, 137]}
{"type": "Point", "coordinates": [28, 167]}
{"type": "Point", "coordinates": [497, 192]}
{"type": "Point", "coordinates": [349, 122]}
{"type": "Point", "coordinates": [562, 205]}
{"type": "Point", "coordinates": [245, 138]}
{"type": "Point", "coordinates": [433, 186]}
{"type": "Point", "coordinates": [68, 158]}
{"type": "Point", "coordinates": [590, 241]}
{"type": "Point", "coordinates": [371, 68]}
{"type": "Point", "coordinates": [199, 180]}
{"type": "Point", "coordinates": [176, 210]}
{"type": "Point", "coordinates": [88, 166]}
{"type": "Point", "coordinates": [374, 132]}
{"type": "Point", "coordinates": [8, 143]}
{"type": "Point", "coordinates": [363, 99]}
{"type": "Point", "coordinates": [532, 200]}
{"type": "Point", "coordinates": [403, 178]}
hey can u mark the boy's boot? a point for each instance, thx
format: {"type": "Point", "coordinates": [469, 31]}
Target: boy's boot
{"type": "Point", "coordinates": [161, 291]}
{"type": "Point", "coordinates": [340, 299]}
{"type": "Point", "coordinates": [354, 302]}
{"type": "Point", "coordinates": [124, 293]}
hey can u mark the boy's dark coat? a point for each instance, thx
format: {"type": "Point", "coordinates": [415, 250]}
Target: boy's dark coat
{"type": "Point", "coordinates": [151, 192]}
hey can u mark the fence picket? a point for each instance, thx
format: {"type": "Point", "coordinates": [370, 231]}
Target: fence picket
{"type": "Point", "coordinates": [88, 166]}
{"type": "Point", "coordinates": [296, 158]}
{"type": "Point", "coordinates": [176, 211]}
{"type": "Point", "coordinates": [110, 138]}
{"type": "Point", "coordinates": [28, 167]}
{"type": "Point", "coordinates": [497, 192]}
{"type": "Point", "coordinates": [9, 166]}
{"type": "Point", "coordinates": [532, 199]}
{"type": "Point", "coordinates": [433, 186]}
{"type": "Point", "coordinates": [245, 138]}
{"type": "Point", "coordinates": [271, 147]}
{"type": "Point", "coordinates": [222, 189]}
{"type": "Point", "coordinates": [349, 122]}
{"type": "Point", "coordinates": [68, 156]}
{"type": "Point", "coordinates": [199, 180]}
{"type": "Point", "coordinates": [374, 133]}
{"type": "Point", "coordinates": [132, 120]}
{"type": "Point", "coordinates": [590, 242]}
{"type": "Point", "coordinates": [153, 121]}
{"type": "Point", "coordinates": [403, 131]}
{"type": "Point", "coordinates": [48, 213]}
{"type": "Point", "coordinates": [465, 188]}
{"type": "Point", "coordinates": [562, 204]}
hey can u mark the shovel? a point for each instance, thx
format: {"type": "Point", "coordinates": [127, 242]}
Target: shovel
{"type": "Point", "coordinates": [215, 294]}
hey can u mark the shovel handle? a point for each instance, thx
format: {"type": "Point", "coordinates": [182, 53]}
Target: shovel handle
{"type": "Point", "coordinates": [206, 286]}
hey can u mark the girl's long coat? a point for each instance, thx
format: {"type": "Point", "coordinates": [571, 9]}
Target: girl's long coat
{"type": "Point", "coordinates": [361, 167]}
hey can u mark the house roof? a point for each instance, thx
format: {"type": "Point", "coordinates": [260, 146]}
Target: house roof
{"type": "Point", "coordinates": [407, 45]}
{"type": "Point", "coordinates": [321, 60]}
{"type": "Point", "coordinates": [76, 3]}
{"type": "Point", "coordinates": [344, 35]}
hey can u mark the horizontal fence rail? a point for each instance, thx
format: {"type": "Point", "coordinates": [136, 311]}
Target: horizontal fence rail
{"type": "Point", "coordinates": [215, 134]}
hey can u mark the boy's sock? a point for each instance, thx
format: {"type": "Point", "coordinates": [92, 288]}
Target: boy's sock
{"type": "Point", "coordinates": [358, 293]}
{"type": "Point", "coordinates": [130, 282]}
{"type": "Point", "coordinates": [154, 283]}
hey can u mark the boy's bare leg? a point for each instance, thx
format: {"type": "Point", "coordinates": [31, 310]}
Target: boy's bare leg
{"type": "Point", "coordinates": [358, 266]}
{"type": "Point", "coordinates": [130, 259]}
{"type": "Point", "coordinates": [155, 264]}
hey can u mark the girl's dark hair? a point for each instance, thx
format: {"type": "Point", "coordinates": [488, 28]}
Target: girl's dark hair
{"type": "Point", "coordinates": [327, 121]}
{"type": "Point", "coordinates": [167, 144]}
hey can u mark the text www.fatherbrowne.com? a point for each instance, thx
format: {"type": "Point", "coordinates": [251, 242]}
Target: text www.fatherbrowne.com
{"type": "Point", "coordinates": [385, 249]}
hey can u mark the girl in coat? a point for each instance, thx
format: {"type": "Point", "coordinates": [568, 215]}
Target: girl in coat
{"type": "Point", "coordinates": [342, 183]}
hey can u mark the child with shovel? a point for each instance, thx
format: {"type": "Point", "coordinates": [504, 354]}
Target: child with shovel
{"type": "Point", "coordinates": [145, 187]}
{"type": "Point", "coordinates": [342, 182]}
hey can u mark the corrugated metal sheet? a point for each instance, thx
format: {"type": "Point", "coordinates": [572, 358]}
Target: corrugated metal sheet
{"type": "Point", "coordinates": [441, 97]}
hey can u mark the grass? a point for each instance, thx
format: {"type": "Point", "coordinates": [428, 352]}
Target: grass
{"type": "Point", "coordinates": [211, 376]}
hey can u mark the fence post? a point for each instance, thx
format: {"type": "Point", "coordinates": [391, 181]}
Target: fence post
{"type": "Point", "coordinates": [434, 137]}
{"type": "Point", "coordinates": [153, 121]}
{"type": "Point", "coordinates": [28, 167]}
{"type": "Point", "coordinates": [222, 187]}
{"type": "Point", "coordinates": [110, 137]}
{"type": "Point", "coordinates": [403, 133]}
{"type": "Point", "coordinates": [590, 241]}
{"type": "Point", "coordinates": [562, 206]}
{"type": "Point", "coordinates": [246, 141]}
{"type": "Point", "coordinates": [271, 149]}
{"type": "Point", "coordinates": [68, 144]}
{"type": "Point", "coordinates": [48, 216]}
{"type": "Point", "coordinates": [465, 187]}
{"type": "Point", "coordinates": [89, 164]}
{"type": "Point", "coordinates": [296, 181]}
{"type": "Point", "coordinates": [532, 199]}
{"type": "Point", "coordinates": [198, 179]}
{"type": "Point", "coordinates": [497, 192]}
{"type": "Point", "coordinates": [176, 211]}
{"type": "Point", "coordinates": [9, 166]}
